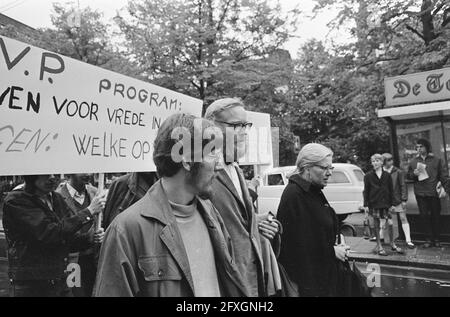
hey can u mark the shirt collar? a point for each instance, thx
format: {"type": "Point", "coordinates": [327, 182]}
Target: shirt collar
{"type": "Point", "coordinates": [428, 155]}
{"type": "Point", "coordinates": [389, 170]}
{"type": "Point", "coordinates": [73, 191]}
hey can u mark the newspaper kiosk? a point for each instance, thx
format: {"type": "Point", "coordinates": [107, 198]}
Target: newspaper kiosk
{"type": "Point", "coordinates": [418, 106]}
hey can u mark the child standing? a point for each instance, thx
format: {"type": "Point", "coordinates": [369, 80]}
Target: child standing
{"type": "Point", "coordinates": [378, 200]}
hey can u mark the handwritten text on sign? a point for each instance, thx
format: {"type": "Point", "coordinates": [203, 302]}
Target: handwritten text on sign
{"type": "Point", "coordinates": [59, 115]}
{"type": "Point", "coordinates": [420, 87]}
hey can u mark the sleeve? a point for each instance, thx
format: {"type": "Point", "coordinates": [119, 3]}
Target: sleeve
{"type": "Point", "coordinates": [116, 275]}
{"type": "Point", "coordinates": [442, 174]}
{"type": "Point", "coordinates": [410, 174]}
{"type": "Point", "coordinates": [83, 239]}
{"type": "Point", "coordinates": [390, 189]}
{"type": "Point", "coordinates": [366, 190]}
{"type": "Point", "coordinates": [111, 205]}
{"type": "Point", "coordinates": [403, 186]}
{"type": "Point", "coordinates": [38, 225]}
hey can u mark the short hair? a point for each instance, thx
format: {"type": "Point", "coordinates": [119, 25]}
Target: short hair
{"type": "Point", "coordinates": [310, 154]}
{"type": "Point", "coordinates": [30, 181]}
{"type": "Point", "coordinates": [425, 143]}
{"type": "Point", "coordinates": [377, 156]}
{"type": "Point", "coordinates": [221, 105]}
{"type": "Point", "coordinates": [387, 155]}
{"type": "Point", "coordinates": [164, 142]}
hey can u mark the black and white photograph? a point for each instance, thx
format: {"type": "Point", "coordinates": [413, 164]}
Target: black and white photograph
{"type": "Point", "coordinates": [250, 150]}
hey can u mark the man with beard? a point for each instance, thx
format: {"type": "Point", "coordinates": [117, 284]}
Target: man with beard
{"type": "Point", "coordinates": [40, 230]}
{"type": "Point", "coordinates": [232, 199]}
{"type": "Point", "coordinates": [78, 194]}
{"type": "Point", "coordinates": [172, 242]}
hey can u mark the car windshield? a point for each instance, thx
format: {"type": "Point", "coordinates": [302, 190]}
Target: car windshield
{"type": "Point", "coordinates": [338, 177]}
{"type": "Point", "coordinates": [359, 175]}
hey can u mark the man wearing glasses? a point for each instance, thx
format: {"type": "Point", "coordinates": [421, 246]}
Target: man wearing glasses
{"type": "Point", "coordinates": [231, 197]}
{"type": "Point", "coordinates": [427, 170]}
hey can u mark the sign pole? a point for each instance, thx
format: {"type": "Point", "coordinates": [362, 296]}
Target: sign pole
{"type": "Point", "coordinates": [101, 187]}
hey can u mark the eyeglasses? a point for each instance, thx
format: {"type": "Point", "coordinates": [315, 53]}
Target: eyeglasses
{"type": "Point", "coordinates": [238, 125]}
{"type": "Point", "coordinates": [325, 168]}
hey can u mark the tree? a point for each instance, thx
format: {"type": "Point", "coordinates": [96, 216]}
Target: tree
{"type": "Point", "coordinates": [390, 38]}
{"type": "Point", "coordinates": [205, 48]}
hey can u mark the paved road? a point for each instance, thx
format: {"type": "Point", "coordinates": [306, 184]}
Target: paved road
{"type": "Point", "coordinates": [395, 281]}
{"type": "Point", "coordinates": [399, 281]}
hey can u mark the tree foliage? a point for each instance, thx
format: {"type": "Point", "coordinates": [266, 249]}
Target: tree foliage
{"type": "Point", "coordinates": [88, 40]}
{"type": "Point", "coordinates": [207, 48]}
{"type": "Point", "coordinates": [391, 38]}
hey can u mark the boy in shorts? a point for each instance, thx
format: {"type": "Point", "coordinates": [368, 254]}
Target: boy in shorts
{"type": "Point", "coordinates": [378, 199]}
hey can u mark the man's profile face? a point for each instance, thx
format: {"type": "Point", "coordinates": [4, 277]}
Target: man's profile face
{"type": "Point", "coordinates": [234, 137]}
{"type": "Point", "coordinates": [45, 184]}
{"type": "Point", "coordinates": [80, 178]}
{"type": "Point", "coordinates": [389, 162]}
{"type": "Point", "coordinates": [202, 175]}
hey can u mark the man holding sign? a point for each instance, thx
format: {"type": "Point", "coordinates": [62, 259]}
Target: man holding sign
{"type": "Point", "coordinates": [40, 231]}
{"type": "Point", "coordinates": [78, 194]}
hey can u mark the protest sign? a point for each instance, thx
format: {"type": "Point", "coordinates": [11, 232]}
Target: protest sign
{"type": "Point", "coordinates": [259, 147]}
{"type": "Point", "coordinates": [59, 115]}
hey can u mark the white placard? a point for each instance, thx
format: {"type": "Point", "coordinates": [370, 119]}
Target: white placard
{"type": "Point", "coordinates": [259, 150]}
{"type": "Point", "coordinates": [59, 115]}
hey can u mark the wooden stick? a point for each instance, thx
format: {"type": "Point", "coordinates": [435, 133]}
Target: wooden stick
{"type": "Point", "coordinates": [101, 187]}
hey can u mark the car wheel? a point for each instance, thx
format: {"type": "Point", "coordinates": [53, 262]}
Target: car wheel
{"type": "Point", "coordinates": [348, 230]}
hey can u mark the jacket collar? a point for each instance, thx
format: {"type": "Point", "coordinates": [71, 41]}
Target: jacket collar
{"type": "Point", "coordinates": [158, 208]}
{"type": "Point", "coordinates": [304, 184]}
{"type": "Point", "coordinates": [428, 155]}
{"type": "Point", "coordinates": [132, 182]}
{"type": "Point", "coordinates": [64, 191]}
{"type": "Point", "coordinates": [137, 184]}
{"type": "Point", "coordinates": [223, 177]}
{"type": "Point", "coordinates": [393, 170]}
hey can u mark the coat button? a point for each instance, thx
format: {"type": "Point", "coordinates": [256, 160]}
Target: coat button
{"type": "Point", "coordinates": [160, 273]}
{"type": "Point", "coordinates": [88, 218]}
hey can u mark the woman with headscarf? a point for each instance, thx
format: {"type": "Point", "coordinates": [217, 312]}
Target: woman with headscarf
{"type": "Point", "coordinates": [309, 245]}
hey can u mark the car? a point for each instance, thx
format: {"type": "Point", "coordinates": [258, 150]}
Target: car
{"type": "Point", "coordinates": [344, 190]}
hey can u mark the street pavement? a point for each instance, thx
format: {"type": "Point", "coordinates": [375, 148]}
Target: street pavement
{"type": "Point", "coordinates": [419, 272]}
{"type": "Point", "coordinates": [400, 281]}
{"type": "Point", "coordinates": [362, 250]}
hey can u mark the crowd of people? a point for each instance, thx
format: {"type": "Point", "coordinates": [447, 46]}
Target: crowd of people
{"type": "Point", "coordinates": [386, 195]}
{"type": "Point", "coordinates": [191, 228]}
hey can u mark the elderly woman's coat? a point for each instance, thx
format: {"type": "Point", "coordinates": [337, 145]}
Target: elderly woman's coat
{"type": "Point", "coordinates": [307, 244]}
